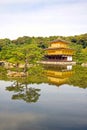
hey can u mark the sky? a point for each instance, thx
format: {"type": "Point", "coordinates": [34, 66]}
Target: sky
{"type": "Point", "coordinates": [42, 18]}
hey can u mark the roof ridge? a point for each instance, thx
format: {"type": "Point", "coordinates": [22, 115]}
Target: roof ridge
{"type": "Point", "coordinates": [64, 41]}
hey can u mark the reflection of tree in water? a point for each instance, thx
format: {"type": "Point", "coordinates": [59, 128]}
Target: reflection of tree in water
{"type": "Point", "coordinates": [79, 78]}
{"type": "Point", "coordinates": [24, 92]}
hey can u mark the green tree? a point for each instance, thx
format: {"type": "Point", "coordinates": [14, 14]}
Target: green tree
{"type": "Point", "coordinates": [78, 55]}
{"type": "Point", "coordinates": [4, 42]}
{"type": "Point", "coordinates": [25, 54]}
{"type": "Point", "coordinates": [84, 51]}
{"type": "Point", "coordinates": [31, 54]}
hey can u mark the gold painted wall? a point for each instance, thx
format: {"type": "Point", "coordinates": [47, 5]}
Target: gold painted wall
{"type": "Point", "coordinates": [58, 45]}
{"type": "Point", "coordinates": [60, 74]}
{"type": "Point", "coordinates": [57, 81]}
{"type": "Point", "coordinates": [59, 52]}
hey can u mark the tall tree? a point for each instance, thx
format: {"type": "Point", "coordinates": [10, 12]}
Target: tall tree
{"type": "Point", "coordinates": [31, 54]}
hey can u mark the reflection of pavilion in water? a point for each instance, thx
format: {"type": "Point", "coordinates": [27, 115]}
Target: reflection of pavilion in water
{"type": "Point", "coordinates": [58, 75]}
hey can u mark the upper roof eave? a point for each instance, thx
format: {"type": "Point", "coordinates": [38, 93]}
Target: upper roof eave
{"type": "Point", "coordinates": [59, 40]}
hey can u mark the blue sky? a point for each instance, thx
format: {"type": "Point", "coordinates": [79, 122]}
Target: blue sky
{"type": "Point", "coordinates": [42, 18]}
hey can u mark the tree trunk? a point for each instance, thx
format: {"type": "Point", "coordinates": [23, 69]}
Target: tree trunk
{"type": "Point", "coordinates": [25, 66]}
{"type": "Point", "coordinates": [17, 67]}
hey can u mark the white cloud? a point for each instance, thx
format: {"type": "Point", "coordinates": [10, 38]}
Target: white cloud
{"type": "Point", "coordinates": [15, 120]}
{"type": "Point", "coordinates": [56, 19]}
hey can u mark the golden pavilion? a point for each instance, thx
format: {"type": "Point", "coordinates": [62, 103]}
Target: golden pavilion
{"type": "Point", "coordinates": [58, 75]}
{"type": "Point", "coordinates": [59, 51]}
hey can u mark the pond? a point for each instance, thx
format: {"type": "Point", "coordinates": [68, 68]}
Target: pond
{"type": "Point", "coordinates": [55, 100]}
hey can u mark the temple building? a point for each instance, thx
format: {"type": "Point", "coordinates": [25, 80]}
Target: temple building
{"type": "Point", "coordinates": [59, 51]}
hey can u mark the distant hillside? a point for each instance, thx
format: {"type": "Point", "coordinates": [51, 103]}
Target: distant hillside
{"type": "Point", "coordinates": [78, 39]}
{"type": "Point", "coordinates": [43, 41]}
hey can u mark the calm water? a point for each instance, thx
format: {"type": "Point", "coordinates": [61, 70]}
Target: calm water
{"type": "Point", "coordinates": [57, 101]}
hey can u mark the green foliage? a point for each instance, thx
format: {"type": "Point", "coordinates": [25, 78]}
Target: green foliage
{"type": "Point", "coordinates": [30, 49]}
{"type": "Point", "coordinates": [21, 54]}
{"type": "Point", "coordinates": [84, 51]}
{"type": "Point", "coordinates": [22, 40]}
{"type": "Point", "coordinates": [79, 77]}
{"type": "Point", "coordinates": [4, 42]}
{"type": "Point", "coordinates": [79, 40]}
{"type": "Point", "coordinates": [32, 53]}
{"type": "Point", "coordinates": [80, 54]}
